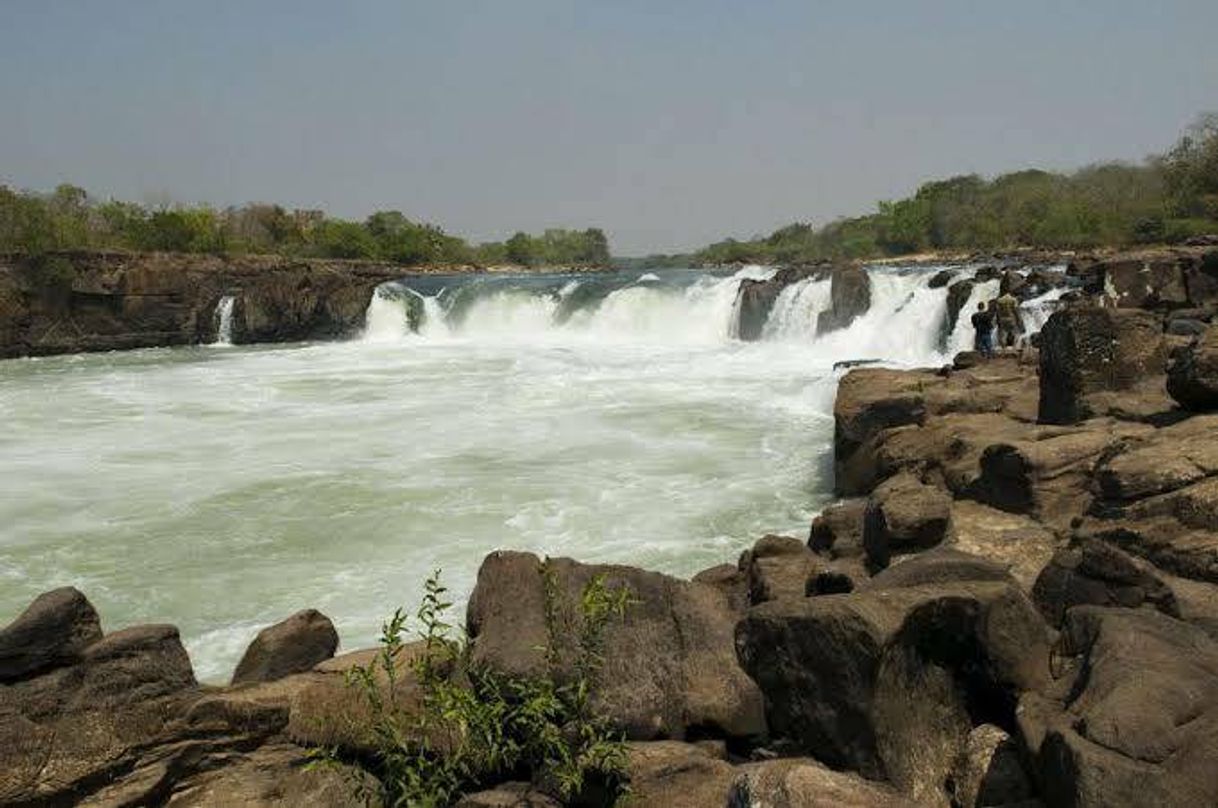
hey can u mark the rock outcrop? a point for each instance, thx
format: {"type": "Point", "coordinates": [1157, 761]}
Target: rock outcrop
{"type": "Point", "coordinates": [1088, 353]}
{"type": "Point", "coordinates": [849, 296]}
{"type": "Point", "coordinates": [111, 301]}
{"type": "Point", "coordinates": [295, 645]}
{"type": "Point", "coordinates": [755, 298]}
{"type": "Point", "coordinates": [670, 664]}
{"type": "Point", "coordinates": [1192, 378]}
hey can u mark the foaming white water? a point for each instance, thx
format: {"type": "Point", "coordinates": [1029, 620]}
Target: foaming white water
{"type": "Point", "coordinates": [386, 318]}
{"type": "Point", "coordinates": [797, 309]}
{"type": "Point", "coordinates": [224, 321]}
{"type": "Point", "coordinates": [1036, 312]}
{"type": "Point", "coordinates": [649, 277]}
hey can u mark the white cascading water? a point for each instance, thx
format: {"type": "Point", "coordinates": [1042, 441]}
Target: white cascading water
{"type": "Point", "coordinates": [224, 321]}
{"type": "Point", "coordinates": [386, 319]}
{"type": "Point", "coordinates": [902, 325]}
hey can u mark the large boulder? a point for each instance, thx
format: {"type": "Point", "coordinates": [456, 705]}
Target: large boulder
{"type": "Point", "coordinates": [778, 567]}
{"type": "Point", "coordinates": [669, 664]}
{"type": "Point", "coordinates": [1086, 350]}
{"type": "Point", "coordinates": [1132, 719]}
{"type": "Point", "coordinates": [990, 771]}
{"type": "Point", "coordinates": [1098, 574]}
{"type": "Point", "coordinates": [958, 295]}
{"type": "Point", "coordinates": [1144, 284]}
{"type": "Point", "coordinates": [869, 401]}
{"type": "Point", "coordinates": [904, 515]}
{"type": "Point", "coordinates": [1192, 378]}
{"type": "Point", "coordinates": [889, 682]}
{"type": "Point", "coordinates": [678, 775]}
{"type": "Point", "coordinates": [850, 297]}
{"type": "Point", "coordinates": [292, 646]}
{"type": "Point", "coordinates": [805, 783]}
{"type": "Point", "coordinates": [53, 631]}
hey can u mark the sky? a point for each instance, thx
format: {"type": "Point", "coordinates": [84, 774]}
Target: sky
{"type": "Point", "coordinates": [668, 123]}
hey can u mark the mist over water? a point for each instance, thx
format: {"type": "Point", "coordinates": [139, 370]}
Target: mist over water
{"type": "Point", "coordinates": [607, 417]}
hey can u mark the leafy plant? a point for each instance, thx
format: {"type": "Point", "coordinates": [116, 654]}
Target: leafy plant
{"type": "Point", "coordinates": [461, 725]}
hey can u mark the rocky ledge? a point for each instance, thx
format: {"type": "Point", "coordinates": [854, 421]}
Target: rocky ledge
{"type": "Point", "coordinates": [110, 301]}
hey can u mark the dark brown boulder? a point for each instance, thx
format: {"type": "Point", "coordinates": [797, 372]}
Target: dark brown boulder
{"type": "Point", "coordinates": [889, 682]}
{"type": "Point", "coordinates": [942, 565]}
{"type": "Point", "coordinates": [837, 531]}
{"type": "Point", "coordinates": [678, 775]}
{"type": "Point", "coordinates": [1098, 574]}
{"type": "Point", "coordinates": [292, 646]}
{"type": "Point", "coordinates": [53, 631]}
{"type": "Point", "coordinates": [941, 278]}
{"type": "Point", "coordinates": [777, 567]}
{"type": "Point", "coordinates": [1132, 719]}
{"type": "Point", "coordinates": [870, 400]}
{"type": "Point", "coordinates": [958, 295]}
{"type": "Point", "coordinates": [990, 772]}
{"type": "Point", "coordinates": [904, 515]}
{"type": "Point", "coordinates": [850, 297]}
{"type": "Point", "coordinates": [1089, 350]}
{"type": "Point", "coordinates": [1192, 379]}
{"type": "Point", "coordinates": [670, 664]}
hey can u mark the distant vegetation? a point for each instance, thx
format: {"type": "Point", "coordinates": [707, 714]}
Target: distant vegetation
{"type": "Point", "coordinates": [1168, 198]}
{"type": "Point", "coordinates": [69, 219]}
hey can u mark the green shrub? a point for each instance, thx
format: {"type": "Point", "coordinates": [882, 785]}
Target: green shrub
{"type": "Point", "coordinates": [476, 726]}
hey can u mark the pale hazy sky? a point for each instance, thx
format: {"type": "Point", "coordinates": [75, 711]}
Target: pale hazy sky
{"type": "Point", "coordinates": [669, 124]}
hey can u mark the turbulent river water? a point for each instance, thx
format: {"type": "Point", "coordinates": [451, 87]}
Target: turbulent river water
{"type": "Point", "coordinates": [609, 417]}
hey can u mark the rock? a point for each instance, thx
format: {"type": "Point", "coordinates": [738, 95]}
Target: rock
{"type": "Point", "coordinates": [889, 682]}
{"type": "Point", "coordinates": [274, 777]}
{"type": "Point", "coordinates": [1096, 574]}
{"type": "Point", "coordinates": [755, 299]}
{"type": "Point", "coordinates": [1201, 279]}
{"type": "Point", "coordinates": [669, 664]}
{"type": "Point", "coordinates": [1144, 284]}
{"type": "Point", "coordinates": [1161, 461]}
{"type": "Point", "coordinates": [509, 795]}
{"type": "Point", "coordinates": [121, 301]}
{"type": "Point", "coordinates": [986, 273]}
{"type": "Point", "coordinates": [989, 771]}
{"type": "Point", "coordinates": [777, 567]}
{"type": "Point", "coordinates": [1089, 350]}
{"type": "Point", "coordinates": [939, 566]}
{"type": "Point", "coordinates": [941, 278]}
{"type": "Point", "coordinates": [53, 631]}
{"type": "Point", "coordinates": [870, 400]}
{"type": "Point", "coordinates": [1011, 281]}
{"type": "Point", "coordinates": [1192, 379]}
{"type": "Point", "coordinates": [850, 297]}
{"type": "Point", "coordinates": [1016, 543]}
{"type": "Point", "coordinates": [837, 531]}
{"type": "Point", "coordinates": [730, 580]}
{"type": "Point", "coordinates": [805, 783]}
{"type": "Point", "coordinates": [904, 515]}
{"type": "Point", "coordinates": [958, 295]}
{"type": "Point", "coordinates": [326, 711]}
{"type": "Point", "coordinates": [678, 775]}
{"type": "Point", "coordinates": [1185, 327]}
{"type": "Point", "coordinates": [1048, 476]}
{"type": "Point", "coordinates": [66, 733]}
{"type": "Point", "coordinates": [292, 646]}
{"type": "Point", "coordinates": [1176, 531]}
{"type": "Point", "coordinates": [1133, 718]}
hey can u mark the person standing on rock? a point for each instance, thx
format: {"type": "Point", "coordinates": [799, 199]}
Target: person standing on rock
{"type": "Point", "coordinates": [983, 328]}
{"type": "Point", "coordinates": [1010, 327]}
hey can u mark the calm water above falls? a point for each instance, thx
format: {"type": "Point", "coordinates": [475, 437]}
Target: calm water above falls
{"type": "Point", "coordinates": [607, 418]}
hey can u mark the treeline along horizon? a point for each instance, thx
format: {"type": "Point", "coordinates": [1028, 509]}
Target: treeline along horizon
{"type": "Point", "coordinates": [1165, 199]}
{"type": "Point", "coordinates": [69, 219]}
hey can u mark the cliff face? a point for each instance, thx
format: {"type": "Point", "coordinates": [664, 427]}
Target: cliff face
{"type": "Point", "coordinates": [109, 301]}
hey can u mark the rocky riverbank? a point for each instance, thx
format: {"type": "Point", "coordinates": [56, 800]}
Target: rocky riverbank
{"type": "Point", "coordinates": [1014, 603]}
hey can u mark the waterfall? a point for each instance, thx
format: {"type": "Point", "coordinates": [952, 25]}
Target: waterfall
{"type": "Point", "coordinates": [901, 326]}
{"type": "Point", "coordinates": [224, 321]}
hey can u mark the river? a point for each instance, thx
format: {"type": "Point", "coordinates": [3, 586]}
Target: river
{"type": "Point", "coordinates": [609, 418]}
